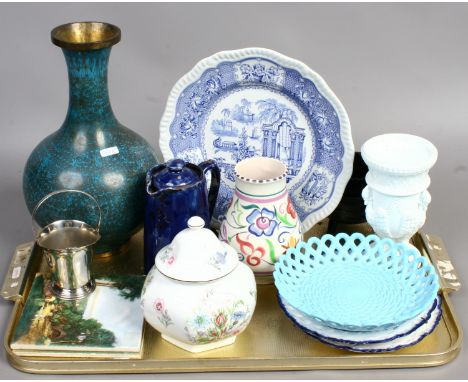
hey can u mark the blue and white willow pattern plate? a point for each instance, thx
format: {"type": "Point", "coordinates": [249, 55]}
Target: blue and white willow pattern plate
{"type": "Point", "coordinates": [257, 102]}
{"type": "Point", "coordinates": [395, 342]}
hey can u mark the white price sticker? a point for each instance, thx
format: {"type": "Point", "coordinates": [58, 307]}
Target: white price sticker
{"type": "Point", "coordinates": [109, 151]}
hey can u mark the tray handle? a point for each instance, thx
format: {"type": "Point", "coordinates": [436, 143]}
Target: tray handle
{"type": "Point", "coordinates": [448, 276]}
{"type": "Point", "coordinates": [13, 284]}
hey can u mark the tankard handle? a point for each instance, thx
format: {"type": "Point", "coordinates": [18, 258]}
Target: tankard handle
{"type": "Point", "coordinates": [48, 196]}
{"type": "Point", "coordinates": [210, 165]}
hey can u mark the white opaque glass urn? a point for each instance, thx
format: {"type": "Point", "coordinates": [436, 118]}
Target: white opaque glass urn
{"type": "Point", "coordinates": [396, 195]}
{"type": "Point", "coordinates": [261, 222]}
{"type": "Point", "coordinates": [198, 294]}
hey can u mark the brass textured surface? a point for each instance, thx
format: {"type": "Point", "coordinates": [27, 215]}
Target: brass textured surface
{"type": "Point", "coordinates": [271, 342]}
{"type": "Point", "coordinates": [85, 35]}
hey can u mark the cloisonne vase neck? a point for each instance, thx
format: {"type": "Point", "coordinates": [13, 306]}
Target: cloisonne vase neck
{"type": "Point", "coordinates": [89, 95]}
{"type": "Point", "coordinates": [87, 46]}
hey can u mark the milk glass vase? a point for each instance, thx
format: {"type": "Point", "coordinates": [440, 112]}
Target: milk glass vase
{"type": "Point", "coordinates": [261, 222]}
{"type": "Point", "coordinates": [396, 195]}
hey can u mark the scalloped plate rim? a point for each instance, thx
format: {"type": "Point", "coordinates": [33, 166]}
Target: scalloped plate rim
{"type": "Point", "coordinates": [346, 346]}
{"type": "Point", "coordinates": [345, 127]}
{"type": "Point", "coordinates": [287, 311]}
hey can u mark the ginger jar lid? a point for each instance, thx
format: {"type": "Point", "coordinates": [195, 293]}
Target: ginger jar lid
{"type": "Point", "coordinates": [196, 254]}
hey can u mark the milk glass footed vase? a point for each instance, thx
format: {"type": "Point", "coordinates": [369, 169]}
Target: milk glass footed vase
{"type": "Point", "coordinates": [396, 195]}
{"type": "Point", "coordinates": [91, 151]}
{"type": "Point", "coordinates": [261, 222]}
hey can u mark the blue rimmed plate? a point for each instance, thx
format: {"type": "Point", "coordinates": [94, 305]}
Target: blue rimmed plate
{"type": "Point", "coordinates": [345, 337]}
{"type": "Point", "coordinates": [257, 102]}
{"type": "Point", "coordinates": [368, 342]}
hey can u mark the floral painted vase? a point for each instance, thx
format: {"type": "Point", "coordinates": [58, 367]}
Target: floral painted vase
{"type": "Point", "coordinates": [198, 295]}
{"type": "Point", "coordinates": [261, 222]}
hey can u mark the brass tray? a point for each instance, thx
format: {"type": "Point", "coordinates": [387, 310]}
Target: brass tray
{"type": "Point", "coordinates": [271, 342]}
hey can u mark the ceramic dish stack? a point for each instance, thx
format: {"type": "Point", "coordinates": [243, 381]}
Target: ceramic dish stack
{"type": "Point", "coordinates": [359, 293]}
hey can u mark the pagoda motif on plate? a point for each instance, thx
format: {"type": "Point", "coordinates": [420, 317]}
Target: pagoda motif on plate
{"type": "Point", "coordinates": [261, 222]}
{"type": "Point", "coordinates": [264, 127]}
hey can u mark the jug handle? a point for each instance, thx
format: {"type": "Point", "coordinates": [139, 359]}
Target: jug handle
{"type": "Point", "coordinates": [210, 165]}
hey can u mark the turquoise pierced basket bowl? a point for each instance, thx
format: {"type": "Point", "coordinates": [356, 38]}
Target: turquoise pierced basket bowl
{"type": "Point", "coordinates": [357, 282]}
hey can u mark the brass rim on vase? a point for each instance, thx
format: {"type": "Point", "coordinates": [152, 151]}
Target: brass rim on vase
{"type": "Point", "coordinates": [85, 35]}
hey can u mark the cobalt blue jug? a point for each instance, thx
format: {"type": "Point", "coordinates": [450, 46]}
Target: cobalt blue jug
{"type": "Point", "coordinates": [176, 191]}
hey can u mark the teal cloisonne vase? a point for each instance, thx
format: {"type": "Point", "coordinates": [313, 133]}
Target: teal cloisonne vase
{"type": "Point", "coordinates": [91, 151]}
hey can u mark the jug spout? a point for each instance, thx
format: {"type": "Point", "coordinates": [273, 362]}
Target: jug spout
{"type": "Point", "coordinates": [150, 189]}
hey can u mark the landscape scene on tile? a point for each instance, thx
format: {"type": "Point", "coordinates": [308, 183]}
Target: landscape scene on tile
{"type": "Point", "coordinates": [50, 323]}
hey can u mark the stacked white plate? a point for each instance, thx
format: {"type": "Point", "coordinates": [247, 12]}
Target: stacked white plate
{"type": "Point", "coordinates": [409, 333]}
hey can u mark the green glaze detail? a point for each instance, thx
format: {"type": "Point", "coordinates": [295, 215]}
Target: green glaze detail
{"type": "Point", "coordinates": [260, 195]}
{"type": "Point", "coordinates": [283, 219]}
{"type": "Point", "coordinates": [237, 218]}
{"type": "Point", "coordinates": [271, 251]}
{"type": "Point", "coordinates": [250, 206]}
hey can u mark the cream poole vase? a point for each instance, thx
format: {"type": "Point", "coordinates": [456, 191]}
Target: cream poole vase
{"type": "Point", "coordinates": [198, 295]}
{"type": "Point", "coordinates": [396, 195]}
{"type": "Point", "coordinates": [261, 222]}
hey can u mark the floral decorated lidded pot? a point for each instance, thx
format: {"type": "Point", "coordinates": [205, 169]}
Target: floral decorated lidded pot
{"type": "Point", "coordinates": [198, 294]}
{"type": "Point", "coordinates": [261, 222]}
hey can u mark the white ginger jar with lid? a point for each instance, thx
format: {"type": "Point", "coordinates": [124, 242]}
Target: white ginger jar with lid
{"type": "Point", "coordinates": [198, 295]}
